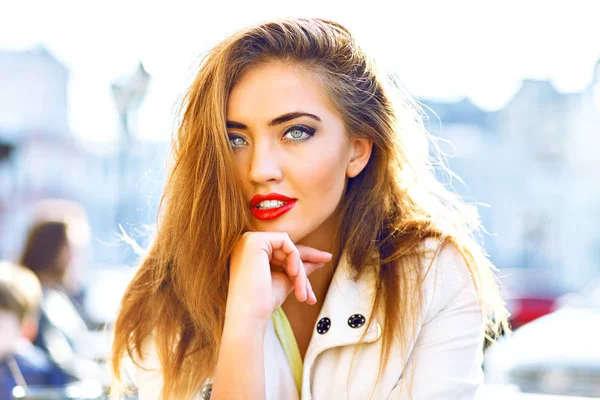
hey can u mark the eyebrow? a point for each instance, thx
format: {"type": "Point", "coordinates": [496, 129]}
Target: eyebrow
{"type": "Point", "coordinates": [276, 121]}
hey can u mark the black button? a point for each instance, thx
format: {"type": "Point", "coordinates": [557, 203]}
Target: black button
{"type": "Point", "coordinates": [356, 321]}
{"type": "Point", "coordinates": [323, 325]}
{"type": "Point", "coordinates": [206, 391]}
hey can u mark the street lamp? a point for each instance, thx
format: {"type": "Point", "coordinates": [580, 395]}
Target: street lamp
{"type": "Point", "coordinates": [128, 94]}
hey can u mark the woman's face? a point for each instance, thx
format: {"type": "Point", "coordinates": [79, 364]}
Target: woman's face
{"type": "Point", "coordinates": [289, 140]}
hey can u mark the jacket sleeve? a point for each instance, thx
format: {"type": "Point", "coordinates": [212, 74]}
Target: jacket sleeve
{"type": "Point", "coordinates": [447, 356]}
{"type": "Point", "coordinates": [147, 374]}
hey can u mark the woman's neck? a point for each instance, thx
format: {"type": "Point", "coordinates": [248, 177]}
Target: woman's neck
{"type": "Point", "coordinates": [321, 239]}
{"type": "Point", "coordinates": [302, 316]}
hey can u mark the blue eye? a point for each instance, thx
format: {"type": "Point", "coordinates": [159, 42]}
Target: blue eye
{"type": "Point", "coordinates": [299, 133]}
{"type": "Point", "coordinates": [237, 141]}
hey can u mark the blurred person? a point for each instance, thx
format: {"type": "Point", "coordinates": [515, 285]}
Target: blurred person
{"type": "Point", "coordinates": [55, 243]}
{"type": "Point", "coordinates": [49, 249]}
{"type": "Point", "coordinates": [295, 157]}
{"type": "Point", "coordinates": [21, 362]}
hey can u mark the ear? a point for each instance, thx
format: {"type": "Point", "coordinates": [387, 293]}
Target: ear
{"type": "Point", "coordinates": [361, 153]}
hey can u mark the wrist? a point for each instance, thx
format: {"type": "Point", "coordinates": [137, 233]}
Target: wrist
{"type": "Point", "coordinates": [244, 318]}
{"type": "Point", "coordinates": [240, 365]}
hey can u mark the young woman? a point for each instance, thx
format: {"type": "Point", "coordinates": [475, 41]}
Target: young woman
{"type": "Point", "coordinates": [300, 169]}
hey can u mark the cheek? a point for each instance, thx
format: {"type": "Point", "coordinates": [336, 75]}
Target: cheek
{"type": "Point", "coordinates": [242, 168]}
{"type": "Point", "coordinates": [324, 180]}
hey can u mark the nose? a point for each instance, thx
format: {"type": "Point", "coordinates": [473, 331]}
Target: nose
{"type": "Point", "coordinates": [264, 166]}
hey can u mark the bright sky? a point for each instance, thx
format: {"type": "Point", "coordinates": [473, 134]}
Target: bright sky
{"type": "Point", "coordinates": [441, 49]}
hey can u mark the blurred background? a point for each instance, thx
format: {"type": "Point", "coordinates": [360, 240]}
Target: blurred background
{"type": "Point", "coordinates": [87, 97]}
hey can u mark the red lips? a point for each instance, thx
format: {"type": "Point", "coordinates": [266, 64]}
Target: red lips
{"type": "Point", "coordinates": [271, 213]}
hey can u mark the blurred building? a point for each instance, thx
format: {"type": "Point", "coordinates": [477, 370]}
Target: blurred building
{"type": "Point", "coordinates": [34, 93]}
{"type": "Point", "coordinates": [534, 162]}
{"type": "Point", "coordinates": [33, 122]}
{"type": "Point", "coordinates": [47, 160]}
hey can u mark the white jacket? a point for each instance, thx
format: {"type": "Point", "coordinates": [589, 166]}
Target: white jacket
{"type": "Point", "coordinates": [445, 360]}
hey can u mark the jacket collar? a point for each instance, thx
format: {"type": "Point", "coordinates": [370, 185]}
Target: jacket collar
{"type": "Point", "coordinates": [345, 298]}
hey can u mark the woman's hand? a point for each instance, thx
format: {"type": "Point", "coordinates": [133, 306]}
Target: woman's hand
{"type": "Point", "coordinates": [264, 268]}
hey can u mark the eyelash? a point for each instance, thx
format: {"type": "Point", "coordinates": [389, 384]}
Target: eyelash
{"type": "Point", "coordinates": [305, 129]}
{"type": "Point", "coordinates": [302, 128]}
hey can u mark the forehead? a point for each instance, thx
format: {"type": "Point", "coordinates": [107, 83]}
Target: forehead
{"type": "Point", "coordinates": [273, 89]}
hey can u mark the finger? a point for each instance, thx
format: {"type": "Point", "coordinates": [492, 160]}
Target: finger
{"type": "Point", "coordinates": [279, 256]}
{"type": "Point", "coordinates": [283, 249]}
{"type": "Point", "coordinates": [293, 264]}
{"type": "Point", "coordinates": [312, 267]}
{"type": "Point", "coordinates": [294, 256]}
{"type": "Point", "coordinates": [307, 254]}
{"type": "Point", "coordinates": [285, 286]}
{"type": "Point", "coordinates": [283, 289]}
{"type": "Point", "coordinates": [294, 268]}
{"type": "Point", "coordinates": [300, 282]}
{"type": "Point", "coordinates": [308, 267]}
{"type": "Point", "coordinates": [278, 268]}
{"type": "Point", "coordinates": [277, 265]}
{"type": "Point", "coordinates": [311, 254]}
{"type": "Point", "coordinates": [312, 298]}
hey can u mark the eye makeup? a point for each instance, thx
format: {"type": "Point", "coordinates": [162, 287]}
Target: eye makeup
{"type": "Point", "coordinates": [296, 133]}
{"type": "Point", "coordinates": [302, 129]}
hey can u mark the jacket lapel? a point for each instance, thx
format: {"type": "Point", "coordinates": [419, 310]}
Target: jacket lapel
{"type": "Point", "coordinates": [347, 304]}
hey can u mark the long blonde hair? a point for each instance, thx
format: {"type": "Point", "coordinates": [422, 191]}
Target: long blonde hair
{"type": "Point", "coordinates": [180, 289]}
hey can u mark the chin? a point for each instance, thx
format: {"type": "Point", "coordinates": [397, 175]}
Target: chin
{"type": "Point", "coordinates": [282, 226]}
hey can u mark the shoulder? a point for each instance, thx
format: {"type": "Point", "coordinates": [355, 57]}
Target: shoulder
{"type": "Point", "coordinates": [36, 367]}
{"type": "Point", "coordinates": [32, 356]}
{"type": "Point", "coordinates": [448, 280]}
{"type": "Point", "coordinates": [146, 373]}
{"type": "Point", "coordinates": [448, 347]}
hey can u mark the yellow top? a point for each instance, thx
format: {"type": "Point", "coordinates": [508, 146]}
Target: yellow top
{"type": "Point", "coordinates": [284, 332]}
